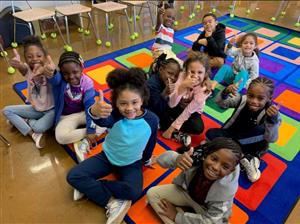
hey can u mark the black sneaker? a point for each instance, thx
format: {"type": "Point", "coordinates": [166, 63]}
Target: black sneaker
{"type": "Point", "coordinates": [183, 138]}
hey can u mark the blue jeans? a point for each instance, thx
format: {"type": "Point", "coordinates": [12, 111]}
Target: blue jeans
{"type": "Point", "coordinates": [85, 178]}
{"type": "Point", "coordinates": [38, 121]}
{"type": "Point", "coordinates": [226, 74]}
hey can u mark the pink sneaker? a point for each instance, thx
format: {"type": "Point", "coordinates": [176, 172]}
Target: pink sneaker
{"type": "Point", "coordinates": [39, 139]}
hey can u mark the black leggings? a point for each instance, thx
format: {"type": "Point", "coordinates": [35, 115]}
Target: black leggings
{"type": "Point", "coordinates": [194, 125]}
{"type": "Point", "coordinates": [256, 149]}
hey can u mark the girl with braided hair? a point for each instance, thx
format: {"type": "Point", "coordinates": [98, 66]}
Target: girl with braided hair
{"type": "Point", "coordinates": [253, 124]}
{"type": "Point", "coordinates": [207, 184]}
{"type": "Point", "coordinates": [74, 94]}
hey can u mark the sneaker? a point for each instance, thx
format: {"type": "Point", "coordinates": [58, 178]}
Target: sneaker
{"type": "Point", "coordinates": [116, 210]}
{"type": "Point", "coordinates": [39, 139]}
{"type": "Point", "coordinates": [251, 167]}
{"type": "Point", "coordinates": [81, 148]}
{"type": "Point", "coordinates": [183, 138]}
{"type": "Point", "coordinates": [77, 195]}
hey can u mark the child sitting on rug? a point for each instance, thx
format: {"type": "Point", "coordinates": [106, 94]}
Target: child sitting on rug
{"type": "Point", "coordinates": [245, 66]}
{"type": "Point", "coordinates": [161, 85]}
{"type": "Point", "coordinates": [34, 119]}
{"type": "Point", "coordinates": [188, 99]}
{"type": "Point", "coordinates": [74, 94]}
{"type": "Point", "coordinates": [253, 124]}
{"type": "Point", "coordinates": [207, 184]}
{"type": "Point", "coordinates": [164, 33]}
{"type": "Point", "coordinates": [128, 145]}
{"type": "Point", "coordinates": [212, 40]}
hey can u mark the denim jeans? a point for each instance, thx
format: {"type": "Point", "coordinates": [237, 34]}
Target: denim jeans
{"type": "Point", "coordinates": [85, 178]}
{"type": "Point", "coordinates": [38, 121]}
{"type": "Point", "coordinates": [226, 74]}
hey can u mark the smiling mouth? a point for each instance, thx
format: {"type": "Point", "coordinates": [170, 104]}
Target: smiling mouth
{"type": "Point", "coordinates": [212, 173]}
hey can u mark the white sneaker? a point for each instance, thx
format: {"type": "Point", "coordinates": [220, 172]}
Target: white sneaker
{"type": "Point", "coordinates": [183, 138]}
{"type": "Point", "coordinates": [77, 195]}
{"type": "Point", "coordinates": [100, 130]}
{"type": "Point", "coordinates": [81, 148]}
{"type": "Point", "coordinates": [251, 168]}
{"type": "Point", "coordinates": [116, 210]}
{"type": "Point", "coordinates": [39, 139]}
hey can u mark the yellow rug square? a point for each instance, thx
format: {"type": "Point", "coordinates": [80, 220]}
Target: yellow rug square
{"type": "Point", "coordinates": [286, 131]}
{"type": "Point", "coordinates": [295, 40]}
{"type": "Point", "coordinates": [99, 74]}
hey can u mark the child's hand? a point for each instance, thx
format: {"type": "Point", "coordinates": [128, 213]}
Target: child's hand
{"type": "Point", "coordinates": [184, 161]}
{"type": "Point", "coordinates": [161, 11]}
{"type": "Point", "coordinates": [16, 60]}
{"type": "Point", "coordinates": [203, 42]}
{"type": "Point", "coordinates": [101, 108]}
{"type": "Point", "coordinates": [233, 88]}
{"type": "Point", "coordinates": [170, 87]}
{"type": "Point", "coordinates": [92, 138]}
{"type": "Point", "coordinates": [151, 162]}
{"type": "Point", "coordinates": [168, 209]}
{"type": "Point", "coordinates": [232, 41]}
{"type": "Point", "coordinates": [49, 67]}
{"type": "Point", "coordinates": [190, 82]}
{"type": "Point", "coordinates": [168, 133]}
{"type": "Point", "coordinates": [273, 110]}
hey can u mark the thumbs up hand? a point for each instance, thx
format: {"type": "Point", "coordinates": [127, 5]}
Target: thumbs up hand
{"type": "Point", "coordinates": [101, 108]}
{"type": "Point", "coordinates": [233, 88]}
{"type": "Point", "coordinates": [273, 110]}
{"type": "Point", "coordinates": [185, 161]}
{"type": "Point", "coordinates": [16, 60]}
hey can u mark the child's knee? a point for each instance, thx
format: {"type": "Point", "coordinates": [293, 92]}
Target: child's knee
{"type": "Point", "coordinates": [133, 193]}
{"type": "Point", "coordinates": [61, 139]}
{"type": "Point", "coordinates": [73, 177]}
{"type": "Point", "coordinates": [152, 195]}
{"type": "Point", "coordinates": [6, 111]}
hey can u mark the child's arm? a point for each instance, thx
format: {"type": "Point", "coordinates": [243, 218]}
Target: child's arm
{"type": "Point", "coordinates": [153, 122]}
{"type": "Point", "coordinates": [215, 43]}
{"type": "Point", "coordinates": [88, 101]}
{"type": "Point", "coordinates": [230, 50]}
{"type": "Point", "coordinates": [272, 123]}
{"type": "Point", "coordinates": [197, 104]}
{"type": "Point", "coordinates": [56, 79]}
{"type": "Point", "coordinates": [196, 45]}
{"type": "Point", "coordinates": [18, 64]}
{"type": "Point", "coordinates": [253, 72]}
{"type": "Point", "coordinates": [159, 20]}
{"type": "Point", "coordinates": [225, 101]}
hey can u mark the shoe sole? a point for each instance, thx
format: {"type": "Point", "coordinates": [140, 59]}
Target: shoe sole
{"type": "Point", "coordinates": [78, 153]}
{"type": "Point", "coordinates": [119, 218]}
{"type": "Point", "coordinates": [43, 141]}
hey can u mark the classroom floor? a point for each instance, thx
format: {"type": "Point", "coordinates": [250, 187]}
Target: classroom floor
{"type": "Point", "coordinates": [33, 188]}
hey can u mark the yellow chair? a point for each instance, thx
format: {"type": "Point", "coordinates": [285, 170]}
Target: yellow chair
{"type": "Point", "coordinates": [108, 7]}
{"type": "Point", "coordinates": [74, 9]}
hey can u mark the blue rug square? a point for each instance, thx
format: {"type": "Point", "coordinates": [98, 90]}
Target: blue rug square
{"type": "Point", "coordinates": [288, 53]}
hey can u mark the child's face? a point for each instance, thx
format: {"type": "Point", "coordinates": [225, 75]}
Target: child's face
{"type": "Point", "coordinates": [170, 71]}
{"type": "Point", "coordinates": [257, 97]}
{"type": "Point", "coordinates": [219, 164]}
{"type": "Point", "coordinates": [129, 104]}
{"type": "Point", "coordinates": [169, 17]}
{"type": "Point", "coordinates": [196, 70]}
{"type": "Point", "coordinates": [72, 73]}
{"type": "Point", "coordinates": [209, 24]}
{"type": "Point", "coordinates": [248, 46]}
{"type": "Point", "coordinates": [34, 56]}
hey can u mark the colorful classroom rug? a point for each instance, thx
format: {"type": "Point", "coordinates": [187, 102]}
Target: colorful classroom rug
{"type": "Point", "coordinates": [270, 199]}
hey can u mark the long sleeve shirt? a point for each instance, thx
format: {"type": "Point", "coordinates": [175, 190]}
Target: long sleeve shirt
{"type": "Point", "coordinates": [129, 140]}
{"type": "Point", "coordinates": [197, 97]}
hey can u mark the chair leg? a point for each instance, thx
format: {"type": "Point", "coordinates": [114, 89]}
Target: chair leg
{"type": "Point", "coordinates": [14, 29]}
{"type": "Point", "coordinates": [60, 33]}
{"type": "Point", "coordinates": [128, 22]}
{"type": "Point", "coordinates": [30, 28]}
{"type": "Point", "coordinates": [4, 140]}
{"type": "Point", "coordinates": [134, 20]}
{"type": "Point", "coordinates": [67, 30]}
{"type": "Point", "coordinates": [106, 27]}
{"type": "Point", "coordinates": [94, 28]}
{"type": "Point", "coordinates": [150, 12]}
